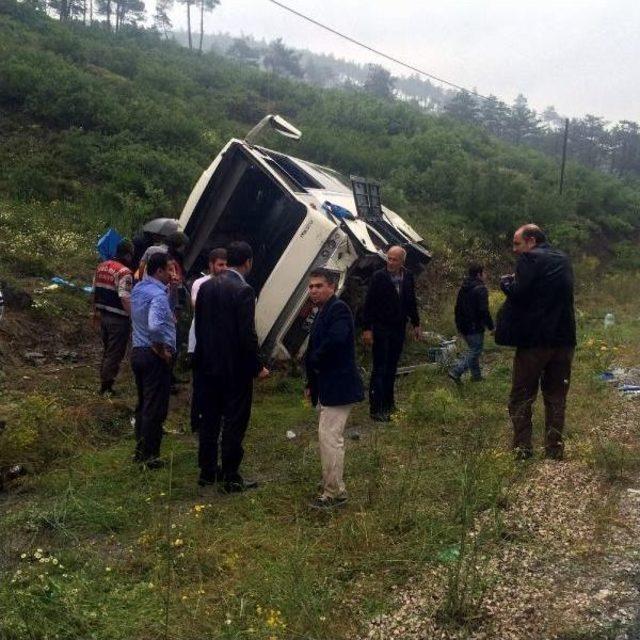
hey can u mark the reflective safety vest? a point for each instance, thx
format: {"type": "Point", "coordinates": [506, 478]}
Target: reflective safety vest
{"type": "Point", "coordinates": [112, 282]}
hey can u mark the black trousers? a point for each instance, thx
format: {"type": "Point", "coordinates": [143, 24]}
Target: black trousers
{"type": "Point", "coordinates": [387, 347]}
{"type": "Point", "coordinates": [197, 391]}
{"type": "Point", "coordinates": [549, 369]}
{"type": "Point", "coordinates": [153, 381]}
{"type": "Point", "coordinates": [225, 406]}
{"type": "Point", "coordinates": [115, 331]}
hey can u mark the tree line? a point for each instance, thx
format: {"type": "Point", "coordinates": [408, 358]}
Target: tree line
{"type": "Point", "coordinates": [609, 147]}
{"type": "Point", "coordinates": [598, 144]}
{"type": "Point", "coordinates": [115, 14]}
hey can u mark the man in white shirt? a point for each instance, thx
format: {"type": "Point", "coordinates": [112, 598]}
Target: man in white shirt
{"type": "Point", "coordinates": [217, 264]}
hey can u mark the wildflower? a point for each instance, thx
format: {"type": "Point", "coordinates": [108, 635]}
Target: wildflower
{"type": "Point", "coordinates": [185, 598]}
{"type": "Point", "coordinates": [38, 554]}
{"type": "Point", "coordinates": [23, 556]}
{"type": "Point", "coordinates": [178, 542]}
{"type": "Point", "coordinates": [107, 569]}
{"type": "Point", "coordinates": [54, 560]}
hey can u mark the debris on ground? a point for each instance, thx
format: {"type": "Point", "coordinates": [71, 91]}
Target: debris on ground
{"type": "Point", "coordinates": [627, 380]}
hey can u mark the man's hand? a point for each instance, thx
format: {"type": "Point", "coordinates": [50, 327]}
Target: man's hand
{"type": "Point", "coordinates": [264, 372]}
{"type": "Point", "coordinates": [367, 337]}
{"type": "Point", "coordinates": [95, 320]}
{"type": "Point", "coordinates": [417, 333]}
{"type": "Point", "coordinates": [307, 393]}
{"type": "Point", "coordinates": [163, 352]}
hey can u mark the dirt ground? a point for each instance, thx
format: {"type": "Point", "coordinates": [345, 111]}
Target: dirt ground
{"type": "Point", "coordinates": [569, 568]}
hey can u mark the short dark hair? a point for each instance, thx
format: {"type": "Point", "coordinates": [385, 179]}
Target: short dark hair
{"type": "Point", "coordinates": [217, 254]}
{"type": "Point", "coordinates": [157, 260]}
{"type": "Point", "coordinates": [533, 231]}
{"type": "Point", "coordinates": [238, 253]}
{"type": "Point", "coordinates": [124, 248]}
{"type": "Point", "coordinates": [176, 239]}
{"type": "Point", "coordinates": [331, 276]}
{"type": "Point", "coordinates": [475, 269]}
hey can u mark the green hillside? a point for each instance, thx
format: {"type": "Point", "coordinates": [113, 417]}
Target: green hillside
{"type": "Point", "coordinates": [444, 536]}
{"type": "Point", "coordinates": [115, 128]}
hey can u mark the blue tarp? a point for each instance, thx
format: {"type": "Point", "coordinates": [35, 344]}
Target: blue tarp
{"type": "Point", "coordinates": [337, 211]}
{"type": "Point", "coordinates": [108, 244]}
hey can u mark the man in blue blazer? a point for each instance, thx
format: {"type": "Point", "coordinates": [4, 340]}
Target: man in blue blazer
{"type": "Point", "coordinates": [333, 382]}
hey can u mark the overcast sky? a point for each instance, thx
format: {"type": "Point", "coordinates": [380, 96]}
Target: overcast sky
{"type": "Point", "coordinates": [580, 56]}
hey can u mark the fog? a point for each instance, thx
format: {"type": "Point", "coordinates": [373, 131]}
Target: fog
{"type": "Point", "coordinates": [579, 56]}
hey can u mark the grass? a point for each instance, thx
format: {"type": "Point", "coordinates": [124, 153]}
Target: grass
{"type": "Point", "coordinates": [151, 555]}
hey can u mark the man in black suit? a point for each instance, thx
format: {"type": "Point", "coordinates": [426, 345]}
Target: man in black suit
{"type": "Point", "coordinates": [333, 381]}
{"type": "Point", "coordinates": [540, 322]}
{"type": "Point", "coordinates": [390, 301]}
{"type": "Point", "coordinates": [227, 361]}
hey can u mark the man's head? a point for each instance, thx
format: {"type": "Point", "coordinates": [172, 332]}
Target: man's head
{"type": "Point", "coordinates": [217, 261]}
{"type": "Point", "coordinates": [476, 271]}
{"type": "Point", "coordinates": [159, 267]}
{"type": "Point", "coordinates": [322, 285]}
{"type": "Point", "coordinates": [177, 241]}
{"type": "Point", "coordinates": [124, 252]}
{"type": "Point", "coordinates": [395, 259]}
{"type": "Point", "coordinates": [527, 237]}
{"type": "Point", "coordinates": [240, 256]}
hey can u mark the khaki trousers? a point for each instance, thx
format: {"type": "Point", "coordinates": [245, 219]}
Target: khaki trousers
{"type": "Point", "coordinates": [331, 437]}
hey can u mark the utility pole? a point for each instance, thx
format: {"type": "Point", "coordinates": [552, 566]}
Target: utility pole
{"type": "Point", "coordinates": [564, 153]}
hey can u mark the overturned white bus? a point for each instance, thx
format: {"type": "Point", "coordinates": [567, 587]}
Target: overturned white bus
{"type": "Point", "coordinates": [297, 216]}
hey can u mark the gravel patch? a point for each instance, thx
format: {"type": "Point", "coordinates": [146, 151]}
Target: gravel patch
{"type": "Point", "coordinates": [567, 566]}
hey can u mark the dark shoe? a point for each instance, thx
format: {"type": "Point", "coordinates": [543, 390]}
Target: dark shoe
{"type": "Point", "coordinates": [522, 454]}
{"type": "Point", "coordinates": [238, 486]}
{"type": "Point", "coordinates": [480, 379]}
{"type": "Point", "coordinates": [554, 455]}
{"type": "Point", "coordinates": [208, 479]}
{"type": "Point", "coordinates": [381, 417]}
{"type": "Point", "coordinates": [153, 464]}
{"type": "Point", "coordinates": [325, 502]}
{"type": "Point", "coordinates": [454, 377]}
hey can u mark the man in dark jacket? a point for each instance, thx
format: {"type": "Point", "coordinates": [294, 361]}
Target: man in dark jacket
{"type": "Point", "coordinates": [333, 381]}
{"type": "Point", "coordinates": [472, 318]}
{"type": "Point", "coordinates": [542, 327]}
{"type": "Point", "coordinates": [227, 361]}
{"type": "Point", "coordinates": [390, 302]}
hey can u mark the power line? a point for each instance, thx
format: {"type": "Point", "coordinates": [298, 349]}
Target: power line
{"type": "Point", "coordinates": [344, 36]}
